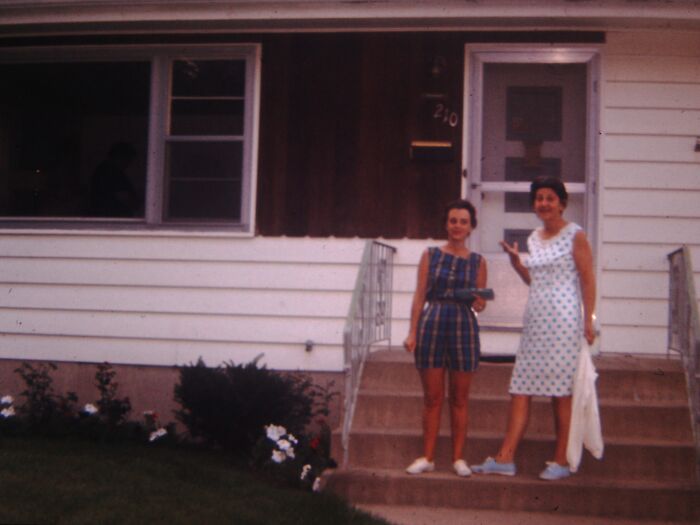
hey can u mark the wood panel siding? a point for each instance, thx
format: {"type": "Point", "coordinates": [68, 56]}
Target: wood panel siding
{"type": "Point", "coordinates": [339, 113]}
{"type": "Point", "coordinates": [650, 180]}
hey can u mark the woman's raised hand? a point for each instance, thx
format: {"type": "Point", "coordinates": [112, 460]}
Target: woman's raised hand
{"type": "Point", "coordinates": [512, 251]}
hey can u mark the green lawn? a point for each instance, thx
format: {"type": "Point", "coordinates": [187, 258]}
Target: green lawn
{"type": "Point", "coordinates": [71, 481]}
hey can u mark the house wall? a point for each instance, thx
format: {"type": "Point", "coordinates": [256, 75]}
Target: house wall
{"type": "Point", "coordinates": [649, 180]}
{"type": "Point", "coordinates": [167, 298]}
{"type": "Point", "coordinates": [158, 299]}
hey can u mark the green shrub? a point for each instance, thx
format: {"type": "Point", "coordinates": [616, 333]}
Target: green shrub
{"type": "Point", "coordinates": [113, 409]}
{"type": "Point", "coordinates": [49, 414]}
{"type": "Point", "coordinates": [43, 411]}
{"type": "Point", "coordinates": [107, 418]}
{"type": "Point", "coordinates": [228, 406]}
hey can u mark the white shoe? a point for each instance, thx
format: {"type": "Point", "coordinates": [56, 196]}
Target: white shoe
{"type": "Point", "coordinates": [461, 468]}
{"type": "Point", "coordinates": [420, 465]}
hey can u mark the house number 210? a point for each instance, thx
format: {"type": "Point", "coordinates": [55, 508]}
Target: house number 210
{"type": "Point", "coordinates": [443, 113]}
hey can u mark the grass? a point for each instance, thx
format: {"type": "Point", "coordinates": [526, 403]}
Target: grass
{"type": "Point", "coordinates": [79, 482]}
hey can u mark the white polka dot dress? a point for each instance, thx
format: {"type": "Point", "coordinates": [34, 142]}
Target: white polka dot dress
{"type": "Point", "coordinates": [553, 321]}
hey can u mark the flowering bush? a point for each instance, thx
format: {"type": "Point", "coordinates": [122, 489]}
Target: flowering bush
{"type": "Point", "coordinates": [47, 413]}
{"type": "Point", "coordinates": [298, 462]}
{"type": "Point", "coordinates": [227, 406]}
{"type": "Point", "coordinates": [8, 419]}
{"type": "Point", "coordinates": [8, 410]}
{"type": "Point", "coordinates": [156, 431]}
{"type": "Point", "coordinates": [90, 410]}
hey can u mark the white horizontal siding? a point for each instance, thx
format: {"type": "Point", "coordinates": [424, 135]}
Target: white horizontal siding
{"type": "Point", "coordinates": [668, 231]}
{"type": "Point", "coordinates": [632, 339]}
{"type": "Point", "coordinates": [667, 148]}
{"type": "Point", "coordinates": [634, 285]}
{"type": "Point", "coordinates": [166, 300]}
{"type": "Point", "coordinates": [683, 122]}
{"type": "Point", "coordinates": [640, 257]}
{"type": "Point", "coordinates": [178, 247]}
{"type": "Point", "coordinates": [635, 312]}
{"type": "Point", "coordinates": [654, 67]}
{"type": "Point", "coordinates": [652, 203]}
{"type": "Point", "coordinates": [186, 326]}
{"type": "Point", "coordinates": [634, 174]}
{"type": "Point", "coordinates": [168, 352]}
{"type": "Point", "coordinates": [623, 95]}
{"type": "Point", "coordinates": [650, 180]}
{"type": "Point", "coordinates": [173, 300]}
{"type": "Point", "coordinates": [179, 274]}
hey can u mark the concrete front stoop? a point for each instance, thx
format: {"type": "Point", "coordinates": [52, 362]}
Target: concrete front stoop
{"type": "Point", "coordinates": [648, 472]}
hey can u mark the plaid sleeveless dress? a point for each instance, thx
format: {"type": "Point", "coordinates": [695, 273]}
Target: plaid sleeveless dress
{"type": "Point", "coordinates": [448, 332]}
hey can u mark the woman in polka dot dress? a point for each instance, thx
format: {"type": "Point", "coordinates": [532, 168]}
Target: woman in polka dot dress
{"type": "Point", "coordinates": [560, 274]}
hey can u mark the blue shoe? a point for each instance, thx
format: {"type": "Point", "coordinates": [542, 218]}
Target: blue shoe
{"type": "Point", "coordinates": [491, 466]}
{"type": "Point", "coordinates": [555, 471]}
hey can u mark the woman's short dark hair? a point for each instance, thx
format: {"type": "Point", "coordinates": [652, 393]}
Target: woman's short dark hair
{"type": "Point", "coordinates": [553, 183]}
{"type": "Point", "coordinates": [461, 204]}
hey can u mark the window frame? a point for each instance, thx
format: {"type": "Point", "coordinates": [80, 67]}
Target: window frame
{"type": "Point", "coordinates": [161, 58]}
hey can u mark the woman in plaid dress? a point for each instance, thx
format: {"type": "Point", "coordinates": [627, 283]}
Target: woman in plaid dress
{"type": "Point", "coordinates": [444, 333]}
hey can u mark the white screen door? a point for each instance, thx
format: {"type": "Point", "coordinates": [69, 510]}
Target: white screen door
{"type": "Point", "coordinates": [529, 115]}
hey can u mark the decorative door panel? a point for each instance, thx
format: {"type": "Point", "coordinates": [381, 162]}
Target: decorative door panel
{"type": "Point", "coordinates": [529, 119]}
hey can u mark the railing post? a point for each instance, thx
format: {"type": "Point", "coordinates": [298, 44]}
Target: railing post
{"type": "Point", "coordinates": [684, 332]}
{"type": "Point", "coordinates": [365, 325]}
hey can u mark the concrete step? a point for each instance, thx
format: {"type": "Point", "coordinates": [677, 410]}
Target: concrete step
{"type": "Point", "coordinates": [620, 377]}
{"type": "Point", "coordinates": [623, 459]}
{"type": "Point", "coordinates": [659, 420]}
{"type": "Point", "coordinates": [648, 472]}
{"type": "Point", "coordinates": [412, 515]}
{"type": "Point", "coordinates": [672, 501]}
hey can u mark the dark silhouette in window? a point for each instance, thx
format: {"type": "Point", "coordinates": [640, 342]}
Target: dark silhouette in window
{"type": "Point", "coordinates": [112, 194]}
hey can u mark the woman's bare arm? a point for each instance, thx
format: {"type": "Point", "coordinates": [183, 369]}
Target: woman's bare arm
{"type": "Point", "coordinates": [583, 258]}
{"type": "Point", "coordinates": [418, 302]}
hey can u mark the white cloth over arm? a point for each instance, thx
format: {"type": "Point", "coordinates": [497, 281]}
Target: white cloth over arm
{"type": "Point", "coordinates": [585, 416]}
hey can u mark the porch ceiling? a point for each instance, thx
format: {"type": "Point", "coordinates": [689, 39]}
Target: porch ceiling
{"type": "Point", "coordinates": [23, 17]}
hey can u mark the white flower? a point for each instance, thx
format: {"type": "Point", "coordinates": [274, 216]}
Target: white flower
{"type": "Point", "coordinates": [291, 438]}
{"type": "Point", "coordinates": [157, 434]}
{"type": "Point", "coordinates": [7, 400]}
{"type": "Point", "coordinates": [274, 432]}
{"type": "Point", "coordinates": [7, 412]}
{"type": "Point", "coordinates": [290, 453]}
{"type": "Point", "coordinates": [278, 456]}
{"type": "Point", "coordinates": [90, 409]}
{"type": "Point", "coordinates": [283, 444]}
{"type": "Point", "coordinates": [305, 471]}
{"type": "Point", "coordinates": [317, 485]}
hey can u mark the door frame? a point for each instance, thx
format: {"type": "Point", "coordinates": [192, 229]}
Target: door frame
{"type": "Point", "coordinates": [475, 56]}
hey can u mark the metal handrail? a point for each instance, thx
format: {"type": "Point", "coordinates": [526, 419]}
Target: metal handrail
{"type": "Point", "coordinates": [368, 322]}
{"type": "Point", "coordinates": [684, 331]}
